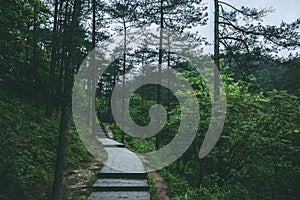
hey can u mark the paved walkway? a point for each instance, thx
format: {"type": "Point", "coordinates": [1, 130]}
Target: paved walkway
{"type": "Point", "coordinates": [123, 175]}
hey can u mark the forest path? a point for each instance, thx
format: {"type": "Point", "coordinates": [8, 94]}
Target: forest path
{"type": "Point", "coordinates": [78, 179]}
{"type": "Point", "coordinates": [123, 175]}
{"type": "Point", "coordinates": [160, 184]}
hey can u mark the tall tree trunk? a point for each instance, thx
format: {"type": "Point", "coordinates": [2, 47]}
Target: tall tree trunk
{"type": "Point", "coordinates": [169, 65]}
{"type": "Point", "coordinates": [115, 74]}
{"type": "Point", "coordinates": [66, 108]}
{"type": "Point", "coordinates": [158, 97]}
{"type": "Point", "coordinates": [53, 61]}
{"type": "Point", "coordinates": [64, 40]}
{"type": "Point", "coordinates": [216, 53]}
{"type": "Point", "coordinates": [59, 86]}
{"type": "Point", "coordinates": [59, 61]}
{"type": "Point", "coordinates": [123, 77]}
{"type": "Point", "coordinates": [143, 65]}
{"type": "Point", "coordinates": [93, 107]}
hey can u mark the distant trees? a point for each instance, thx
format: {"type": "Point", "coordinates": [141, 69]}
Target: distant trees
{"type": "Point", "coordinates": [242, 36]}
{"type": "Point", "coordinates": [123, 12]}
{"type": "Point", "coordinates": [173, 15]}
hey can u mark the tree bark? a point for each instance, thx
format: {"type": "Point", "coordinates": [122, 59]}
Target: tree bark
{"type": "Point", "coordinates": [53, 61]}
{"type": "Point", "coordinates": [158, 99]}
{"type": "Point", "coordinates": [93, 107]}
{"type": "Point", "coordinates": [123, 77]}
{"type": "Point", "coordinates": [66, 108]}
{"type": "Point", "coordinates": [63, 37]}
{"type": "Point", "coordinates": [216, 53]}
{"type": "Point", "coordinates": [143, 64]}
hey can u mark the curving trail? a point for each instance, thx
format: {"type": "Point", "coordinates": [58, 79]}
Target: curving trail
{"type": "Point", "coordinates": [123, 175]}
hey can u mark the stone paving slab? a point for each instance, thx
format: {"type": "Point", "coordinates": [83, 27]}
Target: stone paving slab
{"type": "Point", "coordinates": [123, 175]}
{"type": "Point", "coordinates": [121, 160]}
{"type": "Point", "coordinates": [106, 142]}
{"type": "Point", "coordinates": [99, 132]}
{"type": "Point", "coordinates": [121, 185]}
{"type": "Point", "coordinates": [133, 195]}
{"type": "Point", "coordinates": [101, 135]}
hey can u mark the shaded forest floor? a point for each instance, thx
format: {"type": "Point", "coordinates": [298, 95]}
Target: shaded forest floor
{"type": "Point", "coordinates": [161, 187]}
{"type": "Point", "coordinates": [80, 180]}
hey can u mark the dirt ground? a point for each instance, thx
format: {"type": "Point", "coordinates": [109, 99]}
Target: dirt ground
{"type": "Point", "coordinates": [78, 179]}
{"type": "Point", "coordinates": [160, 185]}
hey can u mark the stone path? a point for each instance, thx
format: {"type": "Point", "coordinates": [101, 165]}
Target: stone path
{"type": "Point", "coordinates": [123, 175]}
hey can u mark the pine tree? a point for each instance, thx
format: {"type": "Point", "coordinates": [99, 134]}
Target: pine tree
{"type": "Point", "coordinates": [66, 106]}
{"type": "Point", "coordinates": [178, 15]}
